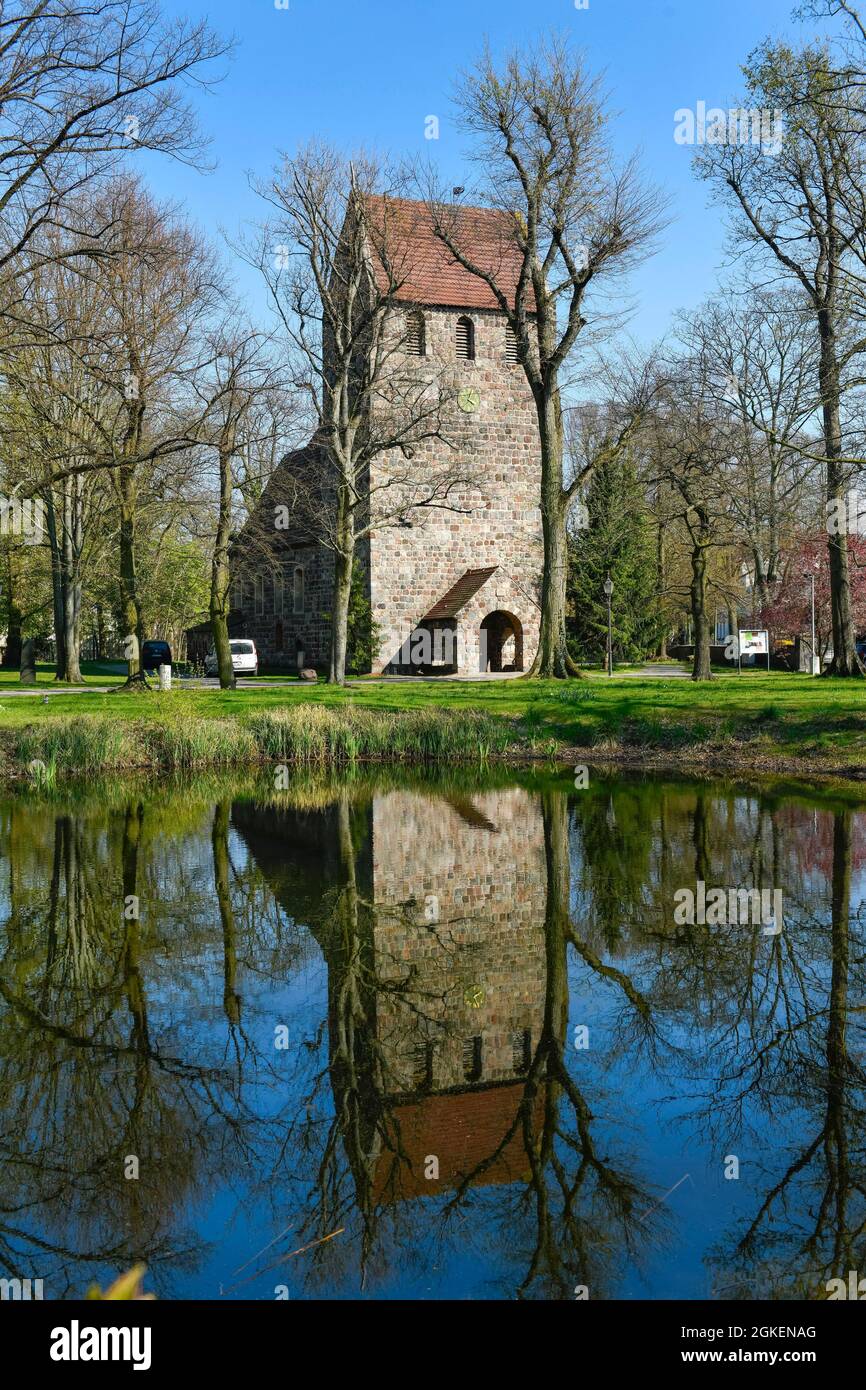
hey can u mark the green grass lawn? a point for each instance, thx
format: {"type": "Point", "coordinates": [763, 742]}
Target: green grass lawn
{"type": "Point", "coordinates": [768, 715]}
{"type": "Point", "coordinates": [92, 672]}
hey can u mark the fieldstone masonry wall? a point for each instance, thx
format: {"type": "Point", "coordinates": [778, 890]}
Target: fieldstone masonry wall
{"type": "Point", "coordinates": [278, 629]}
{"type": "Point", "coordinates": [496, 519]}
{"type": "Point", "coordinates": [460, 894]}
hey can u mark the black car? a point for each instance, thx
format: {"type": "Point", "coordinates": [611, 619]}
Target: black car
{"type": "Point", "coordinates": [154, 655]}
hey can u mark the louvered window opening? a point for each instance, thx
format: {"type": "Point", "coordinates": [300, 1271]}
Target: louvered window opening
{"type": "Point", "coordinates": [422, 1066]}
{"type": "Point", "coordinates": [521, 1051]}
{"type": "Point", "coordinates": [415, 335]}
{"type": "Point", "coordinates": [472, 1059]}
{"type": "Point", "coordinates": [465, 339]}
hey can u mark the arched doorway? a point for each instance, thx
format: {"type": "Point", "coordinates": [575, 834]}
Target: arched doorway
{"type": "Point", "coordinates": [501, 642]}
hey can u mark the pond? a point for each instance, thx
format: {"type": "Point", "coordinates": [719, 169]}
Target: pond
{"type": "Point", "coordinates": [383, 1036]}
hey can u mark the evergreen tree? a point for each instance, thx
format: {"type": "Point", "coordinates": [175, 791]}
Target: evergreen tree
{"type": "Point", "coordinates": [364, 636]}
{"type": "Point", "coordinates": [615, 540]}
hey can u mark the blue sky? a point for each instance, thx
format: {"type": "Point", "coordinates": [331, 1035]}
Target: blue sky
{"type": "Point", "coordinates": [368, 73]}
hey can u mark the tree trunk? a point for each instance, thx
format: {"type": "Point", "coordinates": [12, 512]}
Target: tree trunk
{"type": "Point", "coordinates": [344, 557]}
{"type": "Point", "coordinates": [552, 660]}
{"type": "Point", "coordinates": [661, 583]}
{"type": "Point", "coordinates": [15, 616]}
{"type": "Point", "coordinates": [133, 983]}
{"type": "Point", "coordinates": [220, 577]}
{"type": "Point", "coordinates": [554, 1028]}
{"type": "Point", "coordinates": [841, 1066]}
{"type": "Point", "coordinates": [761, 590]}
{"type": "Point", "coordinates": [340, 627]}
{"type": "Point", "coordinates": [845, 661]}
{"type": "Point", "coordinates": [130, 603]}
{"type": "Point", "coordinates": [71, 552]}
{"type": "Point", "coordinates": [57, 597]}
{"type": "Point", "coordinates": [701, 839]}
{"type": "Point", "coordinates": [698, 591]}
{"type": "Point", "coordinates": [221, 866]}
{"type": "Point", "coordinates": [72, 633]}
{"type": "Point", "coordinates": [99, 620]}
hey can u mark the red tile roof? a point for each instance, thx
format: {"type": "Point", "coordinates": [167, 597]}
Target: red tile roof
{"type": "Point", "coordinates": [428, 271]}
{"type": "Point", "coordinates": [463, 1129]}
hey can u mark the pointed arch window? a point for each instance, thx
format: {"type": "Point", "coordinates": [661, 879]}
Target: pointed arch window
{"type": "Point", "coordinates": [298, 590]}
{"type": "Point", "coordinates": [422, 1066]}
{"type": "Point", "coordinates": [472, 1059]}
{"type": "Point", "coordinates": [416, 334]}
{"type": "Point", "coordinates": [465, 338]}
{"type": "Point", "coordinates": [259, 595]}
{"type": "Point", "coordinates": [521, 1051]}
{"type": "Point", "coordinates": [511, 353]}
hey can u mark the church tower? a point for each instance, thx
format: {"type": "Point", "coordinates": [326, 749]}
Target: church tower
{"type": "Point", "coordinates": [470, 576]}
{"type": "Point", "coordinates": [456, 589]}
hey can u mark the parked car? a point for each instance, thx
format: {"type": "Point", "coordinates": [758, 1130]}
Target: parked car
{"type": "Point", "coordinates": [245, 658]}
{"type": "Point", "coordinates": [155, 654]}
{"type": "Point", "coordinates": [861, 648]}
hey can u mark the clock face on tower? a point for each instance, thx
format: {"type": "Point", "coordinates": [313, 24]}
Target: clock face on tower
{"type": "Point", "coordinates": [469, 400]}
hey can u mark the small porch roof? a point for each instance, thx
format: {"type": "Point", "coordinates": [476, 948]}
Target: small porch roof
{"type": "Point", "coordinates": [467, 586]}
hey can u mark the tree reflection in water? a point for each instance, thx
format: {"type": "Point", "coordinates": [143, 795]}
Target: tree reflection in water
{"type": "Point", "coordinates": [428, 951]}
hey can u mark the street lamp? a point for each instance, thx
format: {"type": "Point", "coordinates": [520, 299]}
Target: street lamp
{"type": "Point", "coordinates": [813, 655]}
{"type": "Point", "coordinates": [608, 590]}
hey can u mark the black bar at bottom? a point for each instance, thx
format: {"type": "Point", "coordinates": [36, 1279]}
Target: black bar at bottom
{"type": "Point", "coordinates": [86, 1339]}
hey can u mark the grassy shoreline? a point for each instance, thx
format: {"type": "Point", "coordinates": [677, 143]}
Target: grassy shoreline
{"type": "Point", "coordinates": [304, 735]}
{"type": "Point", "coordinates": [778, 724]}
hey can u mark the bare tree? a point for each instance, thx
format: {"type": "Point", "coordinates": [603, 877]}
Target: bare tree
{"type": "Point", "coordinates": [244, 410]}
{"type": "Point", "coordinates": [799, 203]}
{"type": "Point", "coordinates": [161, 289]}
{"type": "Point", "coordinates": [691, 450]}
{"type": "Point", "coordinates": [845, 94]}
{"type": "Point", "coordinates": [759, 367]}
{"type": "Point", "coordinates": [574, 222]}
{"type": "Point", "coordinates": [55, 396]}
{"type": "Point", "coordinates": [82, 84]}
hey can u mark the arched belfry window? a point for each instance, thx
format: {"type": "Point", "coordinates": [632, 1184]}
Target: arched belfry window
{"type": "Point", "coordinates": [472, 1059]}
{"type": "Point", "coordinates": [416, 334]}
{"type": "Point", "coordinates": [465, 338]}
{"type": "Point", "coordinates": [511, 353]}
{"type": "Point", "coordinates": [298, 590]}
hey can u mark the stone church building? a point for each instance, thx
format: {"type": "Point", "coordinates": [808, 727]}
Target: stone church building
{"type": "Point", "coordinates": [451, 590]}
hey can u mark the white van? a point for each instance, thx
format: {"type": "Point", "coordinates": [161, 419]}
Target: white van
{"type": "Point", "coordinates": [245, 658]}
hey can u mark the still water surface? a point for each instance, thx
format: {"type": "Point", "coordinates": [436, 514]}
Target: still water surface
{"type": "Point", "coordinates": [454, 1022]}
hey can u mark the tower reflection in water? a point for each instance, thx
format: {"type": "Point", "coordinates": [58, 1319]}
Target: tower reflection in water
{"type": "Point", "coordinates": [428, 951]}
